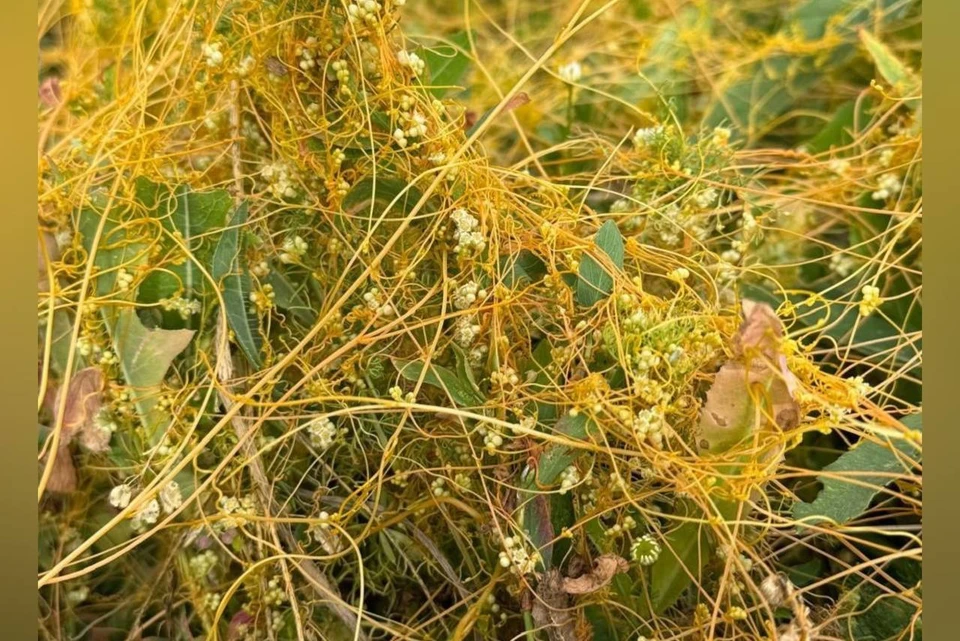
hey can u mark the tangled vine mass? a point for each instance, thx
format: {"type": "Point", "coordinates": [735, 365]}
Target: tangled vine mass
{"type": "Point", "coordinates": [332, 349]}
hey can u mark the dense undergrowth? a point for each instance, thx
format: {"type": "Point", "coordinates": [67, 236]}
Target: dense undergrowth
{"type": "Point", "coordinates": [480, 320]}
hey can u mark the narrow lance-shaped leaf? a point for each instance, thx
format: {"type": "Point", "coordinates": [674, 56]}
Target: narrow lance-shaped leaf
{"type": "Point", "coordinates": [235, 285]}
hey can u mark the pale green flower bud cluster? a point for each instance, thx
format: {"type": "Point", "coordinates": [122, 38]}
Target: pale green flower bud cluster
{"type": "Point", "coordinates": [322, 432]}
{"type": "Point", "coordinates": [516, 557]}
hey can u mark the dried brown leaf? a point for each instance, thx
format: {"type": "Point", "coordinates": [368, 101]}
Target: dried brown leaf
{"type": "Point", "coordinates": [758, 372]}
{"type": "Point", "coordinates": [82, 403]}
{"type": "Point", "coordinates": [604, 569]}
{"type": "Point", "coordinates": [63, 476]}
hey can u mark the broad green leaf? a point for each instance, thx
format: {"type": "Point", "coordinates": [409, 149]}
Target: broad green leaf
{"type": "Point", "coordinates": [145, 356]}
{"type": "Point", "coordinates": [556, 458]}
{"type": "Point", "coordinates": [194, 217]}
{"type": "Point", "coordinates": [447, 63]}
{"type": "Point", "coordinates": [685, 550]}
{"type": "Point", "coordinates": [290, 297]}
{"type": "Point", "coordinates": [525, 267]}
{"type": "Point", "coordinates": [234, 282]}
{"type": "Point", "coordinates": [770, 89]}
{"type": "Point", "coordinates": [460, 391]}
{"type": "Point", "coordinates": [857, 476]}
{"type": "Point", "coordinates": [594, 283]}
{"type": "Point", "coordinates": [842, 128]}
{"type": "Point", "coordinates": [115, 249]}
{"type": "Point", "coordinates": [877, 615]}
{"type": "Point", "coordinates": [383, 193]}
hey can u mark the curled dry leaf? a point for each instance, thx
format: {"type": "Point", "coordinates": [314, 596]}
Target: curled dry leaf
{"type": "Point", "coordinates": [49, 91]}
{"type": "Point", "coordinates": [604, 569]}
{"type": "Point", "coordinates": [754, 386]}
{"type": "Point", "coordinates": [63, 476]}
{"type": "Point", "coordinates": [83, 401]}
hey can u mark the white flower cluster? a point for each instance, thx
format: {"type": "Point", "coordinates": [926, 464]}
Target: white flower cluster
{"type": "Point", "coordinates": [396, 393]}
{"type": "Point", "coordinates": [492, 439]}
{"type": "Point", "coordinates": [467, 294]}
{"type": "Point", "coordinates": [120, 496]}
{"type": "Point", "coordinates": [680, 274]}
{"type": "Point", "coordinates": [516, 557]}
{"type": "Point", "coordinates": [293, 249]}
{"type": "Point", "coordinates": [887, 185]}
{"type": "Point", "coordinates": [280, 178]}
{"type": "Point", "coordinates": [647, 135]}
{"type": "Point", "coordinates": [366, 11]}
{"type": "Point", "coordinates": [212, 54]}
{"type": "Point", "coordinates": [201, 564]}
{"type": "Point", "coordinates": [842, 264]}
{"type": "Point", "coordinates": [343, 75]}
{"type": "Point", "coordinates": [170, 497]}
{"type": "Point", "coordinates": [374, 300]}
{"type": "Point", "coordinates": [469, 240]}
{"type": "Point", "coordinates": [706, 198]}
{"type": "Point", "coordinates": [570, 72]}
{"type": "Point", "coordinates": [146, 515]}
{"type": "Point", "coordinates": [628, 523]}
{"type": "Point", "coordinates": [246, 66]}
{"type": "Point", "coordinates": [411, 61]}
{"type": "Point", "coordinates": [275, 595]}
{"type": "Point", "coordinates": [569, 478]}
{"type": "Point", "coordinates": [416, 128]}
{"type": "Point", "coordinates": [232, 510]}
{"type": "Point", "coordinates": [648, 425]}
{"type": "Point", "coordinates": [264, 297]}
{"type": "Point", "coordinates": [645, 550]}
{"type": "Point", "coordinates": [870, 301]}
{"type": "Point", "coordinates": [124, 279]}
{"type": "Point", "coordinates": [466, 330]}
{"type": "Point", "coordinates": [186, 307]}
{"type": "Point", "coordinates": [323, 433]}
{"type": "Point", "coordinates": [439, 487]}
{"type": "Point", "coordinates": [308, 54]}
{"type": "Point", "coordinates": [504, 377]}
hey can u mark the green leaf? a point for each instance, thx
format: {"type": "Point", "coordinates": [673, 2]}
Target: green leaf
{"type": "Point", "coordinates": [290, 298]}
{"type": "Point", "coordinates": [383, 192]}
{"type": "Point", "coordinates": [523, 267]}
{"type": "Point", "coordinates": [868, 466]}
{"type": "Point", "coordinates": [556, 458]}
{"type": "Point", "coordinates": [842, 128]}
{"type": "Point", "coordinates": [460, 391]}
{"type": "Point", "coordinates": [114, 250]}
{"type": "Point", "coordinates": [234, 282]}
{"type": "Point", "coordinates": [893, 71]}
{"type": "Point", "coordinates": [594, 283]}
{"type": "Point", "coordinates": [447, 64]}
{"type": "Point", "coordinates": [684, 553]}
{"type": "Point", "coordinates": [145, 356]}
{"type": "Point", "coordinates": [464, 371]}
